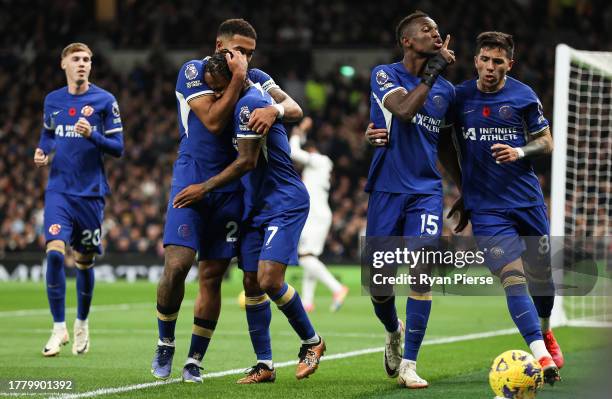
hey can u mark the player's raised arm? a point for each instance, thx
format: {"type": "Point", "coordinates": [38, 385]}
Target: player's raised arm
{"type": "Point", "coordinates": [248, 154]}
{"type": "Point", "coordinates": [295, 142]}
{"type": "Point", "coordinates": [404, 104]}
{"type": "Point", "coordinates": [216, 111]}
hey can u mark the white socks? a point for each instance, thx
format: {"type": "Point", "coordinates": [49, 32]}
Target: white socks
{"type": "Point", "coordinates": [409, 363]}
{"type": "Point", "coordinates": [313, 340]}
{"type": "Point", "coordinates": [268, 363]}
{"type": "Point", "coordinates": [81, 323]}
{"type": "Point", "coordinates": [539, 349]}
{"type": "Point", "coordinates": [61, 326]}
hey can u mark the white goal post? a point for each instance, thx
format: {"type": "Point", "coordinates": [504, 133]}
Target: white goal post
{"type": "Point", "coordinates": [581, 192]}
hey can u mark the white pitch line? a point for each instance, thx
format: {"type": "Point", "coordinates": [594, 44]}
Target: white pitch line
{"type": "Point", "coordinates": [99, 308]}
{"type": "Point", "coordinates": [344, 355]}
{"type": "Point", "coordinates": [149, 331]}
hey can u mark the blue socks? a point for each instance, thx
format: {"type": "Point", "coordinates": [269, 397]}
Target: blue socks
{"type": "Point", "coordinates": [385, 311]}
{"type": "Point", "coordinates": [166, 323]}
{"type": "Point", "coordinates": [259, 316]}
{"type": "Point", "coordinates": [521, 307]}
{"type": "Point", "coordinates": [417, 316]}
{"type": "Point", "coordinates": [289, 302]}
{"type": "Point", "coordinates": [200, 338]}
{"type": "Point", "coordinates": [56, 285]}
{"type": "Point", "coordinates": [84, 286]}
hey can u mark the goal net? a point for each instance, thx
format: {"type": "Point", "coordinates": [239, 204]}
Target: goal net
{"type": "Point", "coordinates": [581, 195]}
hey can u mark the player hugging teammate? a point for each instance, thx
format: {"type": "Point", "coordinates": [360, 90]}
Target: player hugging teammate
{"type": "Point", "coordinates": [213, 213]}
{"type": "Point", "coordinates": [500, 126]}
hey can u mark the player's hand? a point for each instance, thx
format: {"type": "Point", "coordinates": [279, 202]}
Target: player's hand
{"type": "Point", "coordinates": [189, 195]}
{"type": "Point", "coordinates": [377, 137]}
{"type": "Point", "coordinates": [262, 119]}
{"type": "Point", "coordinates": [449, 55]}
{"type": "Point", "coordinates": [459, 208]}
{"type": "Point", "coordinates": [303, 128]}
{"type": "Point", "coordinates": [237, 63]}
{"type": "Point", "coordinates": [503, 153]}
{"type": "Point", "coordinates": [40, 158]}
{"type": "Point", "coordinates": [83, 127]}
{"type": "Point", "coordinates": [306, 124]}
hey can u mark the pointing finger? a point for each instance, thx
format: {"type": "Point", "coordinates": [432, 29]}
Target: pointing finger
{"type": "Point", "coordinates": [446, 41]}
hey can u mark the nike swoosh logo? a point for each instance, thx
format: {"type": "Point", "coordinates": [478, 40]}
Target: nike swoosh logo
{"type": "Point", "coordinates": [55, 113]}
{"type": "Point", "coordinates": [521, 315]}
{"type": "Point", "coordinates": [410, 330]}
{"type": "Point", "coordinates": [467, 112]}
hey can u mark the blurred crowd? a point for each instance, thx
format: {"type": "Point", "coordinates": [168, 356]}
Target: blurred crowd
{"type": "Point", "coordinates": [32, 35]}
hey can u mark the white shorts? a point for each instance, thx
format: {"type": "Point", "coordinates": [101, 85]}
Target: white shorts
{"type": "Point", "coordinates": [314, 234]}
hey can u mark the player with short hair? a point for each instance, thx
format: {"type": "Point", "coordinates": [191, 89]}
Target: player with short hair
{"type": "Point", "coordinates": [81, 125]}
{"type": "Point", "coordinates": [210, 227]}
{"type": "Point", "coordinates": [316, 175]}
{"type": "Point", "coordinates": [276, 208]}
{"type": "Point", "coordinates": [410, 100]}
{"type": "Point", "coordinates": [502, 128]}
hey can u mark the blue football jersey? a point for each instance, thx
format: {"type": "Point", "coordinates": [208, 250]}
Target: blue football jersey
{"type": "Point", "coordinates": [274, 186]}
{"type": "Point", "coordinates": [78, 165]}
{"type": "Point", "coordinates": [202, 154]}
{"type": "Point", "coordinates": [507, 116]}
{"type": "Point", "coordinates": [408, 163]}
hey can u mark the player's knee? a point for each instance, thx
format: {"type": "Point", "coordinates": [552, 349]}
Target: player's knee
{"type": "Point", "coordinates": [210, 281]}
{"type": "Point", "coordinates": [270, 284]}
{"type": "Point", "coordinates": [251, 285]}
{"type": "Point", "coordinates": [177, 266]}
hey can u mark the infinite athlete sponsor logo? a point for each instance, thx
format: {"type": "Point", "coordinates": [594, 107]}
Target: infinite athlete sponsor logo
{"type": "Point", "coordinates": [490, 133]}
{"type": "Point", "coordinates": [429, 123]}
{"type": "Point", "coordinates": [55, 229]}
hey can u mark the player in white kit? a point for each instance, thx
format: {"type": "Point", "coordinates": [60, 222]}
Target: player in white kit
{"type": "Point", "coordinates": [316, 174]}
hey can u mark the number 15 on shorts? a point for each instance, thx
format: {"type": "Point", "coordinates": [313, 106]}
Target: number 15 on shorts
{"type": "Point", "coordinates": [429, 224]}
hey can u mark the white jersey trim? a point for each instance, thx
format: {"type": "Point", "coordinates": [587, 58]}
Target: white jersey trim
{"type": "Point", "coordinates": [389, 92]}
{"type": "Point", "coordinates": [115, 130]}
{"type": "Point", "coordinates": [199, 94]}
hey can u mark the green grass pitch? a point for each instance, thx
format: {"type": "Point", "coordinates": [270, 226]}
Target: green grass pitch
{"type": "Point", "coordinates": [123, 338]}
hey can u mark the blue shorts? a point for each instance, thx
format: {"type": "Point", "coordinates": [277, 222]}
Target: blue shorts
{"type": "Point", "coordinates": [508, 234]}
{"type": "Point", "coordinates": [407, 215]}
{"type": "Point", "coordinates": [209, 227]}
{"type": "Point", "coordinates": [275, 239]}
{"type": "Point", "coordinates": [74, 220]}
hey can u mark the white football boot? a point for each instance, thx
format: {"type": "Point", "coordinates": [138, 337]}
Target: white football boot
{"type": "Point", "coordinates": [80, 346]}
{"type": "Point", "coordinates": [394, 344]}
{"type": "Point", "coordinates": [59, 338]}
{"type": "Point", "coordinates": [409, 378]}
